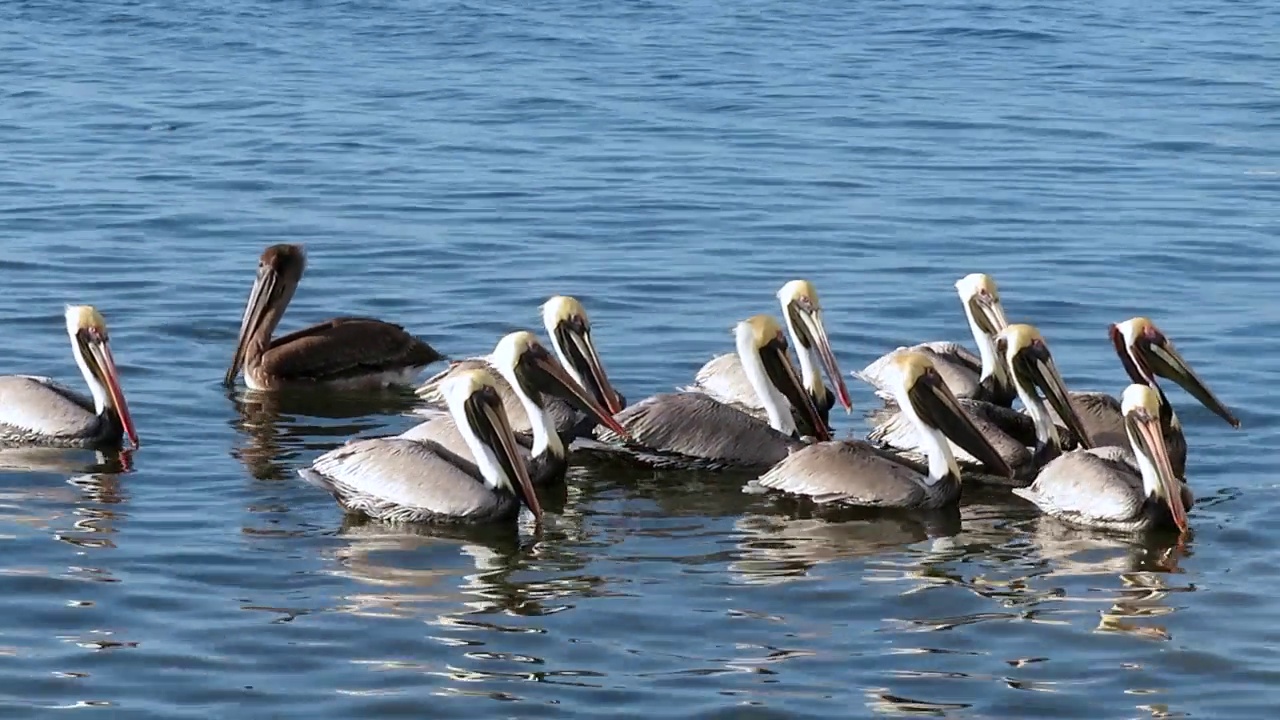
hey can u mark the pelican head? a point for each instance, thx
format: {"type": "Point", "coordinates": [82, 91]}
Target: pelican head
{"type": "Point", "coordinates": [922, 392]}
{"type": "Point", "coordinates": [804, 319]}
{"type": "Point", "coordinates": [570, 330]}
{"type": "Point", "coordinates": [526, 364]}
{"type": "Point", "coordinates": [981, 300]}
{"type": "Point", "coordinates": [762, 347]}
{"type": "Point", "coordinates": [1141, 407]}
{"type": "Point", "coordinates": [476, 406]}
{"type": "Point", "coordinates": [279, 272]}
{"type": "Point", "coordinates": [1146, 352]}
{"type": "Point", "coordinates": [92, 348]}
{"type": "Point", "coordinates": [1027, 356]}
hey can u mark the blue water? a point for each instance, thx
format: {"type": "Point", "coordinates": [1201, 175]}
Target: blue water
{"type": "Point", "coordinates": [451, 164]}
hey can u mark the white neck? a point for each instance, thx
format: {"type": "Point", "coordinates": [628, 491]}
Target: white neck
{"type": "Point", "coordinates": [95, 387]}
{"type": "Point", "coordinates": [486, 459]}
{"type": "Point", "coordinates": [1046, 430]}
{"type": "Point", "coordinates": [562, 356]}
{"type": "Point", "coordinates": [1150, 478]}
{"type": "Point", "coordinates": [545, 437]}
{"type": "Point", "coordinates": [808, 359]}
{"type": "Point", "coordinates": [991, 365]}
{"type": "Point", "coordinates": [936, 448]}
{"type": "Point", "coordinates": [774, 402]}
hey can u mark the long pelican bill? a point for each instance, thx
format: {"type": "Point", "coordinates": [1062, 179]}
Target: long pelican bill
{"type": "Point", "coordinates": [1143, 425]}
{"type": "Point", "coordinates": [560, 382]}
{"type": "Point", "coordinates": [261, 299]}
{"type": "Point", "coordinates": [574, 337]}
{"type": "Point", "coordinates": [1035, 364]}
{"type": "Point", "coordinates": [936, 405]}
{"type": "Point", "coordinates": [101, 353]}
{"type": "Point", "coordinates": [811, 319]}
{"type": "Point", "coordinates": [1153, 349]}
{"type": "Point", "coordinates": [783, 376]}
{"type": "Point", "coordinates": [485, 415]}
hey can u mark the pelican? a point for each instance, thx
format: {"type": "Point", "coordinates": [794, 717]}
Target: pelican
{"type": "Point", "coordinates": [1103, 489]}
{"type": "Point", "coordinates": [532, 374]}
{"type": "Point", "coordinates": [400, 480]}
{"type": "Point", "coordinates": [1145, 352]}
{"type": "Point", "coordinates": [724, 378]}
{"type": "Point", "coordinates": [1026, 356]}
{"type": "Point", "coordinates": [857, 473]}
{"type": "Point", "coordinates": [692, 430]}
{"type": "Point", "coordinates": [345, 352]}
{"type": "Point", "coordinates": [38, 411]}
{"type": "Point", "coordinates": [570, 331]}
{"type": "Point", "coordinates": [980, 377]}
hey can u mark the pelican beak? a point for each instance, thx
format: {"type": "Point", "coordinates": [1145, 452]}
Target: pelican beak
{"type": "Point", "coordinates": [783, 376]}
{"type": "Point", "coordinates": [574, 338]}
{"type": "Point", "coordinates": [1159, 356]}
{"type": "Point", "coordinates": [937, 406]}
{"type": "Point", "coordinates": [1036, 365]}
{"type": "Point", "coordinates": [1144, 430]}
{"type": "Point", "coordinates": [811, 319]}
{"type": "Point", "coordinates": [556, 380]}
{"type": "Point", "coordinates": [100, 351]}
{"type": "Point", "coordinates": [988, 313]}
{"type": "Point", "coordinates": [489, 420]}
{"type": "Point", "coordinates": [261, 298]}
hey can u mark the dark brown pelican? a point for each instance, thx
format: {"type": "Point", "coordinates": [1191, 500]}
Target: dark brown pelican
{"type": "Point", "coordinates": [1109, 488]}
{"type": "Point", "coordinates": [570, 332]}
{"type": "Point", "coordinates": [724, 378]}
{"type": "Point", "coordinates": [344, 352]}
{"type": "Point", "coordinates": [981, 377]}
{"type": "Point", "coordinates": [398, 480]}
{"type": "Point", "coordinates": [1024, 443]}
{"type": "Point", "coordinates": [531, 374]}
{"type": "Point", "coordinates": [38, 411]}
{"type": "Point", "coordinates": [692, 430]}
{"type": "Point", "coordinates": [857, 473]}
{"type": "Point", "coordinates": [1145, 352]}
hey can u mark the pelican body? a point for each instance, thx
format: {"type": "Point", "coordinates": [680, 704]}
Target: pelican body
{"type": "Point", "coordinates": [396, 479]}
{"type": "Point", "coordinates": [725, 379]}
{"type": "Point", "coordinates": [1146, 353]}
{"type": "Point", "coordinates": [1023, 443]}
{"type": "Point", "coordinates": [1111, 489]}
{"type": "Point", "coordinates": [692, 430]}
{"type": "Point", "coordinates": [38, 411]}
{"type": "Point", "coordinates": [570, 331]}
{"type": "Point", "coordinates": [980, 377]}
{"type": "Point", "coordinates": [857, 473]}
{"type": "Point", "coordinates": [534, 376]}
{"type": "Point", "coordinates": [343, 352]}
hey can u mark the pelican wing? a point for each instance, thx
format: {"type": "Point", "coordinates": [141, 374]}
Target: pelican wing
{"type": "Point", "coordinates": [430, 390]}
{"type": "Point", "coordinates": [1100, 416]}
{"type": "Point", "coordinates": [31, 405]}
{"type": "Point", "coordinates": [1088, 487]}
{"type": "Point", "coordinates": [960, 369]}
{"type": "Point", "coordinates": [403, 480]}
{"type": "Point", "coordinates": [345, 347]}
{"type": "Point", "coordinates": [848, 471]}
{"type": "Point", "coordinates": [1004, 430]}
{"type": "Point", "coordinates": [724, 379]}
{"type": "Point", "coordinates": [698, 426]}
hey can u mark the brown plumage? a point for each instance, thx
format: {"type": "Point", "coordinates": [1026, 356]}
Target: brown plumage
{"type": "Point", "coordinates": [343, 351]}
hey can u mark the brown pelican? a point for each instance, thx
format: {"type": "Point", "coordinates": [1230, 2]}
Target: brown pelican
{"type": "Point", "coordinates": [532, 374]}
{"type": "Point", "coordinates": [980, 377]}
{"type": "Point", "coordinates": [693, 430]}
{"type": "Point", "coordinates": [570, 332]}
{"type": "Point", "coordinates": [38, 411]}
{"type": "Point", "coordinates": [857, 473]}
{"type": "Point", "coordinates": [1101, 488]}
{"type": "Point", "coordinates": [724, 378]}
{"type": "Point", "coordinates": [341, 352]}
{"type": "Point", "coordinates": [1145, 352]}
{"type": "Point", "coordinates": [1024, 353]}
{"type": "Point", "coordinates": [399, 480]}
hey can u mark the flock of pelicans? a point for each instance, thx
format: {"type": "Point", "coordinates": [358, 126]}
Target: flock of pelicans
{"type": "Point", "coordinates": [500, 426]}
